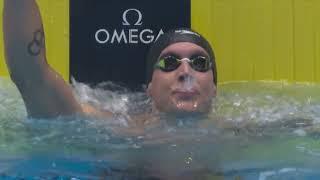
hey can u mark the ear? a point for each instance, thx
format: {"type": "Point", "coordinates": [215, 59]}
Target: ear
{"type": "Point", "coordinates": [149, 89]}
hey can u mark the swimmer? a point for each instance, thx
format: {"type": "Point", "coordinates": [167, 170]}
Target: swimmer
{"type": "Point", "coordinates": [181, 71]}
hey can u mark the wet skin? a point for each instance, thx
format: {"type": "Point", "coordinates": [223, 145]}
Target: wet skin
{"type": "Point", "coordinates": [184, 89]}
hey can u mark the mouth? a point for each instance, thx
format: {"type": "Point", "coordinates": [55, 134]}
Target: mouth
{"type": "Point", "coordinates": [185, 94]}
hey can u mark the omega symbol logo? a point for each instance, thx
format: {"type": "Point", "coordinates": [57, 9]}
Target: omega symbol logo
{"type": "Point", "coordinates": [131, 35]}
{"type": "Point", "coordinates": [125, 17]}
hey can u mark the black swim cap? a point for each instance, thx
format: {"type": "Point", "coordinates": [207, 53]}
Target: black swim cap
{"type": "Point", "coordinates": [175, 36]}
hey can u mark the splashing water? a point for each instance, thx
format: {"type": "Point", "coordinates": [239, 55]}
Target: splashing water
{"type": "Point", "coordinates": [188, 84]}
{"type": "Point", "coordinates": [187, 102]}
{"type": "Point", "coordinates": [257, 130]}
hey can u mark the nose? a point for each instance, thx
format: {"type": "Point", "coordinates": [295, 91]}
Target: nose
{"type": "Point", "coordinates": [184, 71]}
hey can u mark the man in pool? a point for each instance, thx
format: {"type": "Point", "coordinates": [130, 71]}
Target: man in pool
{"type": "Point", "coordinates": [181, 70]}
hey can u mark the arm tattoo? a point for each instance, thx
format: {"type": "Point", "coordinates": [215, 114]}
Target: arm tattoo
{"type": "Point", "coordinates": [37, 43]}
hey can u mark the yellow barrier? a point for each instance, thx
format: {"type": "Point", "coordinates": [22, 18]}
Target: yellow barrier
{"type": "Point", "coordinates": [262, 39]}
{"type": "Point", "coordinates": [253, 39]}
{"type": "Point", "coordinates": [55, 15]}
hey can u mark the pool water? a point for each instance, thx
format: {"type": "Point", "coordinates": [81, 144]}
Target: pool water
{"type": "Point", "coordinates": [257, 130]}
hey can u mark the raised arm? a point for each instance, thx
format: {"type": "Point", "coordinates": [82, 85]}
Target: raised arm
{"type": "Point", "coordinates": [43, 90]}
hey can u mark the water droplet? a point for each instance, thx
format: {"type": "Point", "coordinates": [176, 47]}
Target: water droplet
{"type": "Point", "coordinates": [188, 160]}
{"type": "Point", "coordinates": [238, 103]}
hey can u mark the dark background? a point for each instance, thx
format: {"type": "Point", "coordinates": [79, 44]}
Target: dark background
{"type": "Point", "coordinates": [92, 63]}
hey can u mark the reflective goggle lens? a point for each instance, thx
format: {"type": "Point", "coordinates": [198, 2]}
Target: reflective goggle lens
{"type": "Point", "coordinates": [170, 63]}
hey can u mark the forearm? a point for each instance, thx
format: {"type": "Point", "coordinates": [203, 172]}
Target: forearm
{"type": "Point", "coordinates": [44, 91]}
{"type": "Point", "coordinates": [23, 38]}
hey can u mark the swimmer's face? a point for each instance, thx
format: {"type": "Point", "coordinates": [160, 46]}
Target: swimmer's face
{"type": "Point", "coordinates": [183, 89]}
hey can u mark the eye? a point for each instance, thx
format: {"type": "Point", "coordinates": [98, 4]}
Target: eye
{"type": "Point", "coordinates": [170, 63]}
{"type": "Point", "coordinates": [201, 63]}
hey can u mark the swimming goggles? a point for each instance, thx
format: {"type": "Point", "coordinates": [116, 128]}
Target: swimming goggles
{"type": "Point", "coordinates": [171, 63]}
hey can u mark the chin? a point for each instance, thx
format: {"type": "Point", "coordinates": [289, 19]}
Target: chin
{"type": "Point", "coordinates": [187, 107]}
{"type": "Point", "coordinates": [192, 108]}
